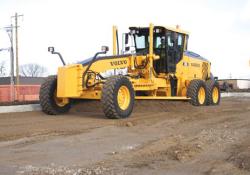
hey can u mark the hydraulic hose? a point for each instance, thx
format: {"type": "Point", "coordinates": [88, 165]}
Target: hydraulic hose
{"type": "Point", "coordinates": [89, 65]}
{"type": "Point", "coordinates": [141, 66]}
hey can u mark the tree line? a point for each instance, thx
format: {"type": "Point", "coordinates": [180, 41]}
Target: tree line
{"type": "Point", "coordinates": [25, 70]}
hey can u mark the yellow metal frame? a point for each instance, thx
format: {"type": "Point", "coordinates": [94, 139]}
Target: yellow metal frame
{"type": "Point", "coordinates": [69, 83]}
{"type": "Point", "coordinates": [160, 98]}
{"type": "Point", "coordinates": [114, 40]}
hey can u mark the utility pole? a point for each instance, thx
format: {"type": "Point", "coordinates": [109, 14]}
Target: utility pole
{"type": "Point", "coordinates": [12, 55]}
{"type": "Point", "coordinates": [9, 31]}
{"type": "Point", "coordinates": [17, 61]}
{"type": "Point", "coordinates": [12, 65]}
{"type": "Point", "coordinates": [17, 58]}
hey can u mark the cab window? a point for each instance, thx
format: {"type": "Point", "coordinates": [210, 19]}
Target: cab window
{"type": "Point", "coordinates": [180, 38]}
{"type": "Point", "coordinates": [140, 42]}
{"type": "Point", "coordinates": [159, 42]}
{"type": "Point", "coordinates": [180, 47]}
{"type": "Point", "coordinates": [170, 42]}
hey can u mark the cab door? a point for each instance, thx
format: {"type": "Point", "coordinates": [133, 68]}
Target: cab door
{"type": "Point", "coordinates": [174, 50]}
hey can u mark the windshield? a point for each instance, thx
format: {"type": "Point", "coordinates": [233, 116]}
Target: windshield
{"type": "Point", "coordinates": [138, 41]}
{"type": "Point", "coordinates": [142, 42]}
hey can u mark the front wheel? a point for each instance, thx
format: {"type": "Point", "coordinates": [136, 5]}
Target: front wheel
{"type": "Point", "coordinates": [49, 101]}
{"type": "Point", "coordinates": [117, 97]}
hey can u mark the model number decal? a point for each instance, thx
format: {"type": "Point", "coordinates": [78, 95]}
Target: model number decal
{"type": "Point", "coordinates": [117, 63]}
{"type": "Point", "coordinates": [195, 65]}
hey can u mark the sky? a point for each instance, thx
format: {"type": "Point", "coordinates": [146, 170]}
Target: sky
{"type": "Point", "coordinates": [219, 29]}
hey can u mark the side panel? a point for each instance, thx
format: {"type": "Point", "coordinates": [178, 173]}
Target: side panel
{"type": "Point", "coordinates": [183, 73]}
{"type": "Point", "coordinates": [188, 69]}
{"type": "Point", "coordinates": [69, 81]}
{"type": "Point", "coordinates": [198, 69]}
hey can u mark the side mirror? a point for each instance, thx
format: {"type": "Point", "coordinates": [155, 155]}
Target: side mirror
{"type": "Point", "coordinates": [126, 38]}
{"type": "Point", "coordinates": [105, 49]}
{"type": "Point", "coordinates": [51, 49]}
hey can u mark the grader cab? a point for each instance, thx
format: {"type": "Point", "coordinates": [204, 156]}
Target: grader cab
{"type": "Point", "coordinates": [153, 64]}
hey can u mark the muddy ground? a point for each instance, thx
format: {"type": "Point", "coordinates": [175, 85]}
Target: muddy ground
{"type": "Point", "coordinates": [161, 137]}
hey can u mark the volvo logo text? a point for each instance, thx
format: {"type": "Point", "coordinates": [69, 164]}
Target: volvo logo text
{"type": "Point", "coordinates": [117, 63]}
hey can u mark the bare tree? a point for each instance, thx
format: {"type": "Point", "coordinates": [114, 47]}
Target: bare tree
{"type": "Point", "coordinates": [32, 70]}
{"type": "Point", "coordinates": [2, 69]}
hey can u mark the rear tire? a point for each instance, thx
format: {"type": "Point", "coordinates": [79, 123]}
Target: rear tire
{"type": "Point", "coordinates": [117, 97]}
{"type": "Point", "coordinates": [48, 98]}
{"type": "Point", "coordinates": [213, 90]}
{"type": "Point", "coordinates": [197, 92]}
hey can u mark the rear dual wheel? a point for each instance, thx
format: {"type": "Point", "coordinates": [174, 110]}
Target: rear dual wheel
{"type": "Point", "coordinates": [117, 97]}
{"type": "Point", "coordinates": [203, 93]}
{"type": "Point", "coordinates": [197, 92]}
{"type": "Point", "coordinates": [213, 92]}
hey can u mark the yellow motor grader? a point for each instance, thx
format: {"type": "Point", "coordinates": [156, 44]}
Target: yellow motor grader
{"type": "Point", "coordinates": [153, 64]}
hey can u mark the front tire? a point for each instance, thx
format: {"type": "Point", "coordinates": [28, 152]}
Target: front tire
{"type": "Point", "coordinates": [49, 102]}
{"type": "Point", "coordinates": [117, 97]}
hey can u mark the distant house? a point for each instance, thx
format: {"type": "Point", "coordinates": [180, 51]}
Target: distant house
{"type": "Point", "coordinates": [227, 84]}
{"type": "Point", "coordinates": [23, 80]}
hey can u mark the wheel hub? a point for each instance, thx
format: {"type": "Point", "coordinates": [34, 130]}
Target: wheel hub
{"type": "Point", "coordinates": [215, 95]}
{"type": "Point", "coordinates": [201, 95]}
{"type": "Point", "coordinates": [59, 101]}
{"type": "Point", "coordinates": [123, 97]}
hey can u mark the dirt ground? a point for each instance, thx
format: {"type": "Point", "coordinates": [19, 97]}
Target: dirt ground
{"type": "Point", "coordinates": [161, 137]}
